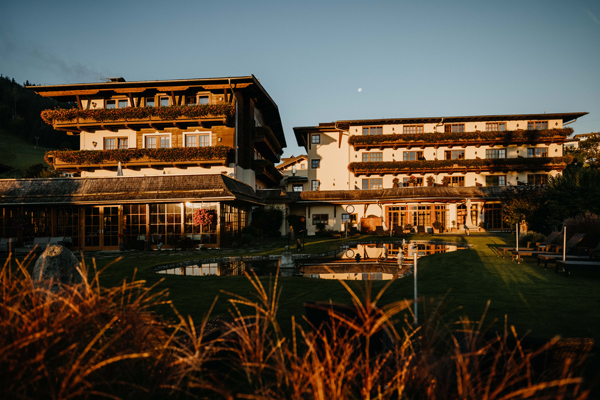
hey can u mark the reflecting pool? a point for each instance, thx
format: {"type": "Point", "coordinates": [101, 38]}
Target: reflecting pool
{"type": "Point", "coordinates": [353, 261]}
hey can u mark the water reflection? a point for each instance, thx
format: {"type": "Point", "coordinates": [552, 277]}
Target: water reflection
{"type": "Point", "coordinates": [354, 261]}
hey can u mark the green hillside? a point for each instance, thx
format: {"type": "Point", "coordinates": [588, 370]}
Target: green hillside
{"type": "Point", "coordinates": [19, 154]}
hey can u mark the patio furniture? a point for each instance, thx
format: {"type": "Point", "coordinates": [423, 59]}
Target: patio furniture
{"type": "Point", "coordinates": [37, 245]}
{"type": "Point", "coordinates": [7, 245]}
{"type": "Point", "coordinates": [592, 253]}
{"type": "Point", "coordinates": [421, 230]}
{"type": "Point", "coordinates": [398, 230]}
{"type": "Point", "coordinates": [504, 249]}
{"type": "Point", "coordinates": [575, 239]}
{"type": "Point", "coordinates": [569, 265]}
{"type": "Point", "coordinates": [545, 245]}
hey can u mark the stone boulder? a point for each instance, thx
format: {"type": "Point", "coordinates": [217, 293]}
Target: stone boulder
{"type": "Point", "coordinates": [59, 264]}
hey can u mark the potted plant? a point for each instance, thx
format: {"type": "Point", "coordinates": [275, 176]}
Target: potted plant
{"type": "Point", "coordinates": [412, 181]}
{"type": "Point", "coordinates": [437, 227]}
{"type": "Point", "coordinates": [395, 183]}
{"type": "Point", "coordinates": [202, 217]}
{"type": "Point", "coordinates": [453, 226]}
{"type": "Point", "coordinates": [430, 181]}
{"type": "Point", "coordinates": [482, 226]}
{"type": "Point", "coordinates": [445, 181]}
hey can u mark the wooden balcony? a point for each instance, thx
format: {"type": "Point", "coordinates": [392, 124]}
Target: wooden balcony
{"type": "Point", "coordinates": [460, 166]}
{"type": "Point", "coordinates": [266, 172]}
{"type": "Point", "coordinates": [267, 144]}
{"type": "Point", "coordinates": [459, 139]}
{"type": "Point", "coordinates": [90, 160]}
{"type": "Point", "coordinates": [136, 118]}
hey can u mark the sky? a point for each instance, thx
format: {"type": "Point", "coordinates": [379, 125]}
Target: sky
{"type": "Point", "coordinates": [323, 61]}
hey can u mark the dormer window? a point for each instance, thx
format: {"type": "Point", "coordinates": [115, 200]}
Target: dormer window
{"type": "Point", "coordinates": [203, 99]}
{"type": "Point", "coordinates": [149, 101]}
{"type": "Point", "coordinates": [110, 104]}
{"type": "Point", "coordinates": [164, 101]}
{"type": "Point", "coordinates": [123, 103]}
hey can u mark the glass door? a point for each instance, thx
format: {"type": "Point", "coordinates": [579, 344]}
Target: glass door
{"type": "Point", "coordinates": [101, 228]}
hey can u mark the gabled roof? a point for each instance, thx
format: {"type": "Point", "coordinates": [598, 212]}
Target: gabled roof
{"type": "Point", "coordinates": [286, 162]}
{"type": "Point", "coordinates": [345, 124]}
{"type": "Point", "coordinates": [150, 189]}
{"type": "Point", "coordinates": [69, 92]}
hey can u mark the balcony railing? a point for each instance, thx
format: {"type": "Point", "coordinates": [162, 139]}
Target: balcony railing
{"type": "Point", "coordinates": [136, 117]}
{"type": "Point", "coordinates": [460, 166]}
{"type": "Point", "coordinates": [462, 139]}
{"type": "Point", "coordinates": [266, 170]}
{"type": "Point", "coordinates": [266, 142]}
{"type": "Point", "coordinates": [77, 160]}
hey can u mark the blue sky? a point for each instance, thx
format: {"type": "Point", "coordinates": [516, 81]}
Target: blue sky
{"type": "Point", "coordinates": [410, 58]}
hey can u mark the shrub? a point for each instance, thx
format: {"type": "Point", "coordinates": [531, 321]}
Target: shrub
{"type": "Point", "coordinates": [531, 237]}
{"type": "Point", "coordinates": [587, 223]}
{"type": "Point", "coordinates": [268, 219]}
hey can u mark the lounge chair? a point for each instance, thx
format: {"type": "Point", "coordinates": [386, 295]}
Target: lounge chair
{"type": "Point", "coordinates": [505, 249]}
{"type": "Point", "coordinates": [569, 265]}
{"type": "Point", "coordinates": [547, 243]}
{"type": "Point", "coordinates": [7, 245]}
{"type": "Point", "coordinates": [592, 253]}
{"type": "Point", "coordinates": [575, 239]}
{"type": "Point", "coordinates": [38, 245]}
{"type": "Point", "coordinates": [541, 246]}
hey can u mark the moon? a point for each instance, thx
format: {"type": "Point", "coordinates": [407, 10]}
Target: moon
{"type": "Point", "coordinates": [359, 90]}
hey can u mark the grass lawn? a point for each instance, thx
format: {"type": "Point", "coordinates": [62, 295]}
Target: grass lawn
{"type": "Point", "coordinates": [532, 298]}
{"type": "Point", "coordinates": [19, 154]}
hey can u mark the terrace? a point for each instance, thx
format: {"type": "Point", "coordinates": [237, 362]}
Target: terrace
{"type": "Point", "coordinates": [182, 157]}
{"type": "Point", "coordinates": [460, 166]}
{"type": "Point", "coordinates": [460, 139]}
{"type": "Point", "coordinates": [135, 118]}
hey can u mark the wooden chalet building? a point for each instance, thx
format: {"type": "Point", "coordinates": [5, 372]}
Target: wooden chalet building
{"type": "Point", "coordinates": [151, 153]}
{"type": "Point", "coordinates": [394, 172]}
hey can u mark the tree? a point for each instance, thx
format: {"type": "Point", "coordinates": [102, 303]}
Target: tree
{"type": "Point", "coordinates": [40, 171]}
{"type": "Point", "coordinates": [268, 220]}
{"type": "Point", "coordinates": [588, 151]}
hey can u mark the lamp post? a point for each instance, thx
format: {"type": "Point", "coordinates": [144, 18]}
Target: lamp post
{"type": "Point", "coordinates": [415, 278]}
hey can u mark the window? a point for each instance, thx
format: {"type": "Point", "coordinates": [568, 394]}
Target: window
{"type": "Point", "coordinates": [320, 219]}
{"type": "Point", "coordinates": [495, 153]}
{"type": "Point", "coordinates": [537, 152]}
{"type": "Point", "coordinates": [110, 104]}
{"type": "Point", "coordinates": [149, 101]}
{"type": "Point", "coordinates": [454, 128]}
{"type": "Point", "coordinates": [537, 125]}
{"type": "Point", "coordinates": [197, 139]}
{"type": "Point", "coordinates": [412, 129]}
{"type": "Point", "coordinates": [349, 218]}
{"type": "Point", "coordinates": [495, 180]}
{"type": "Point", "coordinates": [123, 103]}
{"type": "Point", "coordinates": [158, 141]}
{"type": "Point", "coordinates": [412, 155]}
{"type": "Point", "coordinates": [372, 183]}
{"type": "Point", "coordinates": [315, 138]}
{"type": "Point", "coordinates": [372, 130]}
{"type": "Point", "coordinates": [164, 101]}
{"type": "Point", "coordinates": [495, 126]}
{"type": "Point", "coordinates": [372, 157]}
{"type": "Point", "coordinates": [115, 143]}
{"type": "Point", "coordinates": [314, 185]}
{"type": "Point", "coordinates": [203, 99]}
{"type": "Point", "coordinates": [412, 181]}
{"type": "Point", "coordinates": [297, 187]}
{"type": "Point", "coordinates": [457, 181]}
{"type": "Point", "coordinates": [537, 179]}
{"type": "Point", "coordinates": [315, 164]}
{"type": "Point", "coordinates": [455, 154]}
